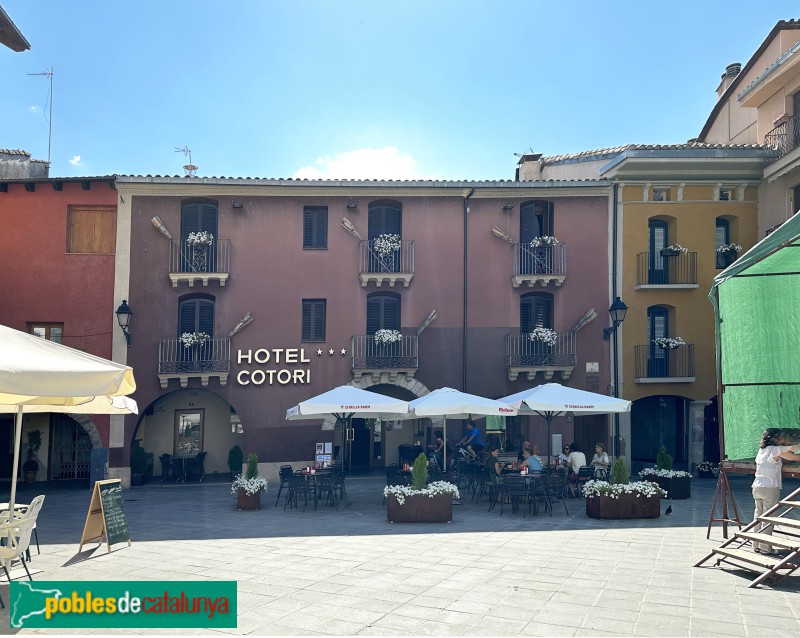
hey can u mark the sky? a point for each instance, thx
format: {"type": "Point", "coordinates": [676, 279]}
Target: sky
{"type": "Point", "coordinates": [363, 89]}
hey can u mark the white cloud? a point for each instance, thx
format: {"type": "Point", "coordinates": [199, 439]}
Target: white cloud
{"type": "Point", "coordinates": [33, 109]}
{"type": "Point", "coordinates": [363, 163]}
{"type": "Point", "coordinates": [76, 161]}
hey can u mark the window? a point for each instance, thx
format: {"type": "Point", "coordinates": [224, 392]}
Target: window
{"type": "Point", "coordinates": [196, 314]}
{"type": "Point", "coordinates": [658, 271]}
{"type": "Point", "coordinates": [660, 194]}
{"type": "Point", "coordinates": [535, 220]}
{"type": "Point", "coordinates": [385, 218]}
{"type": "Point", "coordinates": [315, 227]}
{"type": "Point", "coordinates": [49, 331]}
{"type": "Point", "coordinates": [91, 229]}
{"type": "Point", "coordinates": [188, 432]}
{"type": "Point", "coordinates": [536, 311]}
{"type": "Point", "coordinates": [657, 328]}
{"type": "Point", "coordinates": [313, 320]}
{"type": "Point", "coordinates": [725, 194]}
{"type": "Point", "coordinates": [722, 237]}
{"type": "Point", "coordinates": [199, 216]}
{"type": "Point", "coordinates": [383, 312]}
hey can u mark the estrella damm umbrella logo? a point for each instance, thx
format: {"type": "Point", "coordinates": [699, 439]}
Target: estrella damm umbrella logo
{"type": "Point", "coordinates": [113, 604]}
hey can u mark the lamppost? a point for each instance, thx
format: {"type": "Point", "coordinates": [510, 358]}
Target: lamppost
{"type": "Point", "coordinates": [617, 312]}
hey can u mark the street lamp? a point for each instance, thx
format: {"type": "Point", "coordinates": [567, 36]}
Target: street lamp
{"type": "Point", "coordinates": [124, 314]}
{"type": "Point", "coordinates": [617, 312]}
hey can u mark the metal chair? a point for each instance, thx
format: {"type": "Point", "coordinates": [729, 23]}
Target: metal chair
{"type": "Point", "coordinates": [557, 490]}
{"type": "Point", "coordinates": [167, 467]}
{"type": "Point", "coordinates": [513, 489]}
{"type": "Point", "coordinates": [297, 487]}
{"type": "Point", "coordinates": [194, 467]}
{"type": "Point", "coordinates": [284, 472]}
{"type": "Point", "coordinates": [584, 475]}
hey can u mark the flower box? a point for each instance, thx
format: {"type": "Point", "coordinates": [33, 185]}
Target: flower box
{"type": "Point", "coordinates": [625, 506]}
{"type": "Point", "coordinates": [669, 252]}
{"type": "Point", "coordinates": [245, 501]}
{"type": "Point", "coordinates": [420, 508]}
{"type": "Point", "coordinates": [706, 474]}
{"type": "Point", "coordinates": [677, 487]}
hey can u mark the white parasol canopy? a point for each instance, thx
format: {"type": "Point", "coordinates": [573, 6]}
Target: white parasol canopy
{"type": "Point", "coordinates": [553, 399]}
{"type": "Point", "coordinates": [447, 402]}
{"type": "Point", "coordinates": [37, 375]}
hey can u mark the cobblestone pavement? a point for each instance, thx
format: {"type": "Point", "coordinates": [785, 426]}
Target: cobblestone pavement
{"type": "Point", "coordinates": [349, 572]}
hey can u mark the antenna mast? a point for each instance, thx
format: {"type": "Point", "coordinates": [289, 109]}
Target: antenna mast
{"type": "Point", "coordinates": [48, 74]}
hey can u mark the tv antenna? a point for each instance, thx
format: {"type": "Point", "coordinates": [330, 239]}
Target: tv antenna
{"type": "Point", "coordinates": [189, 168]}
{"type": "Point", "coordinates": [48, 74]}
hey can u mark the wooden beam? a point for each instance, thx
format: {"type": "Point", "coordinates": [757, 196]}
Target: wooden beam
{"type": "Point", "coordinates": [3, 188]}
{"type": "Point", "coordinates": [58, 186]}
{"type": "Point", "coordinates": [30, 187]}
{"type": "Point", "coordinates": [86, 184]}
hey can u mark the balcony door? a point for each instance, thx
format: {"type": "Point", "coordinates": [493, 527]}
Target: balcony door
{"type": "Point", "coordinates": [535, 311]}
{"type": "Point", "coordinates": [383, 313]}
{"type": "Point", "coordinates": [385, 218]}
{"type": "Point", "coordinates": [535, 220]}
{"type": "Point", "coordinates": [197, 217]}
{"type": "Point", "coordinates": [722, 237]}
{"type": "Point", "coordinates": [657, 328]}
{"type": "Point", "coordinates": [658, 267]}
{"type": "Point", "coordinates": [195, 316]}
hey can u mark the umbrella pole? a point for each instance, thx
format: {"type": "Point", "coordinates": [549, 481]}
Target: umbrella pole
{"type": "Point", "coordinates": [15, 471]}
{"type": "Point", "coordinates": [444, 450]}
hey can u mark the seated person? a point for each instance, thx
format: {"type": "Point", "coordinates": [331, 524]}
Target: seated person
{"type": "Point", "coordinates": [562, 458]}
{"type": "Point", "coordinates": [575, 461]}
{"type": "Point", "coordinates": [492, 463]}
{"type": "Point", "coordinates": [473, 440]}
{"type": "Point", "coordinates": [526, 445]}
{"type": "Point", "coordinates": [439, 447]}
{"type": "Point", "coordinates": [531, 461]}
{"type": "Point", "coordinates": [600, 461]}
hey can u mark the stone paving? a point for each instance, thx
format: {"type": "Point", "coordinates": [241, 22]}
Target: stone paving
{"type": "Point", "coordinates": [349, 572]}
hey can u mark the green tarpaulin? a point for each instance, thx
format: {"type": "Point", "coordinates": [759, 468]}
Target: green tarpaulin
{"type": "Point", "coordinates": [757, 312]}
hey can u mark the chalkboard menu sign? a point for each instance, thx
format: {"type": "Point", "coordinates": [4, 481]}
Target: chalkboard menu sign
{"type": "Point", "coordinates": [106, 516]}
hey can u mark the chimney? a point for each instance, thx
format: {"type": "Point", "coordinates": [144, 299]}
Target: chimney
{"type": "Point", "coordinates": [731, 71]}
{"type": "Point", "coordinates": [529, 168]}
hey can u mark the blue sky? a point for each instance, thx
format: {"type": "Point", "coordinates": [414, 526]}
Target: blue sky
{"type": "Point", "coordinates": [440, 89]}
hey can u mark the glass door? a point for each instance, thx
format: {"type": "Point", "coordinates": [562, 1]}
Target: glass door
{"type": "Point", "coordinates": [658, 273]}
{"type": "Point", "coordinates": [658, 327]}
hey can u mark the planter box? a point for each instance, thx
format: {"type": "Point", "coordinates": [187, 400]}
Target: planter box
{"type": "Point", "coordinates": [706, 474]}
{"type": "Point", "coordinates": [677, 488]}
{"type": "Point", "coordinates": [420, 509]}
{"type": "Point", "coordinates": [626, 506]}
{"type": "Point", "coordinates": [666, 252]}
{"type": "Point", "coordinates": [248, 502]}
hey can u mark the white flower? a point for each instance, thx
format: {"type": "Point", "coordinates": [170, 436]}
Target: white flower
{"type": "Point", "coordinates": [729, 248]}
{"type": "Point", "coordinates": [669, 344]}
{"type": "Point", "coordinates": [545, 335]}
{"type": "Point", "coordinates": [384, 336]}
{"type": "Point", "coordinates": [386, 244]}
{"type": "Point", "coordinates": [190, 339]}
{"type": "Point", "coordinates": [664, 473]}
{"type": "Point", "coordinates": [678, 248]}
{"type": "Point", "coordinates": [437, 487]}
{"type": "Point", "coordinates": [544, 240]}
{"type": "Point", "coordinates": [250, 486]}
{"type": "Point", "coordinates": [199, 238]}
{"type": "Point", "coordinates": [614, 490]}
{"type": "Point", "coordinates": [706, 466]}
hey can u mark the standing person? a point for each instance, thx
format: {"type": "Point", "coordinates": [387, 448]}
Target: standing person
{"type": "Point", "coordinates": [473, 439]}
{"type": "Point", "coordinates": [600, 461]}
{"type": "Point", "coordinates": [768, 481]}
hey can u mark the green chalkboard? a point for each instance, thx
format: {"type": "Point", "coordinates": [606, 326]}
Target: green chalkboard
{"type": "Point", "coordinates": [116, 523]}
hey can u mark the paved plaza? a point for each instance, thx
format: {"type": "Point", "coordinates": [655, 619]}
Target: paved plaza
{"type": "Point", "coordinates": [349, 572]}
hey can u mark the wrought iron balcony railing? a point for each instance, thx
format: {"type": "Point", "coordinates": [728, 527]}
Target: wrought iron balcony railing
{"type": "Point", "coordinates": [524, 355]}
{"type": "Point", "coordinates": [542, 265]}
{"type": "Point", "coordinates": [390, 359]}
{"type": "Point", "coordinates": [201, 262]}
{"type": "Point", "coordinates": [397, 266]}
{"type": "Point", "coordinates": [666, 269]}
{"type": "Point", "coordinates": [653, 362]}
{"type": "Point", "coordinates": [209, 359]}
{"type": "Point", "coordinates": [781, 140]}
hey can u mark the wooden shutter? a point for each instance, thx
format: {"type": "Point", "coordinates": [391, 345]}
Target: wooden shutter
{"type": "Point", "coordinates": [313, 320]}
{"type": "Point", "coordinates": [536, 311]}
{"type": "Point", "coordinates": [383, 312]}
{"type": "Point", "coordinates": [196, 315]}
{"type": "Point", "coordinates": [315, 227]}
{"type": "Point", "coordinates": [198, 216]}
{"type": "Point", "coordinates": [91, 230]}
{"type": "Point", "coordinates": [384, 220]}
{"type": "Point", "coordinates": [535, 220]}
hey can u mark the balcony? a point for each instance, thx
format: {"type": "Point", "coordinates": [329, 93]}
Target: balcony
{"type": "Point", "coordinates": [385, 362]}
{"type": "Point", "coordinates": [203, 361]}
{"type": "Point", "coordinates": [528, 357]}
{"type": "Point", "coordinates": [395, 267]}
{"type": "Point", "coordinates": [664, 270]}
{"type": "Point", "coordinates": [542, 265]}
{"type": "Point", "coordinates": [656, 365]}
{"type": "Point", "coordinates": [782, 140]}
{"type": "Point", "coordinates": [200, 262]}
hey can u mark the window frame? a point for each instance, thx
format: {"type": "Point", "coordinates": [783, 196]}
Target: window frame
{"type": "Point", "coordinates": [317, 216]}
{"type": "Point", "coordinates": [48, 326]}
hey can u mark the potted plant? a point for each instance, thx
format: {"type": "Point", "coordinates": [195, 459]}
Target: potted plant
{"type": "Point", "coordinates": [420, 502]}
{"type": "Point", "coordinates": [31, 466]}
{"type": "Point", "coordinates": [200, 238]}
{"type": "Point", "coordinates": [386, 246]}
{"type": "Point", "coordinates": [707, 469]}
{"type": "Point", "coordinates": [235, 461]}
{"type": "Point", "coordinates": [248, 488]}
{"type": "Point", "coordinates": [674, 250]}
{"type": "Point", "coordinates": [385, 336]}
{"type": "Point", "coordinates": [674, 482]}
{"type": "Point", "coordinates": [669, 343]}
{"type": "Point", "coordinates": [545, 335]}
{"type": "Point", "coordinates": [138, 465]}
{"type": "Point", "coordinates": [543, 240]}
{"type": "Point", "coordinates": [622, 500]}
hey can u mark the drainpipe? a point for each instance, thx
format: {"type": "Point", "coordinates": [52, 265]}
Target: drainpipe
{"type": "Point", "coordinates": [464, 331]}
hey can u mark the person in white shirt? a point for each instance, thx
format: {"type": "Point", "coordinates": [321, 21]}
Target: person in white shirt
{"type": "Point", "coordinates": [601, 462]}
{"type": "Point", "coordinates": [767, 484]}
{"type": "Point", "coordinates": [575, 461]}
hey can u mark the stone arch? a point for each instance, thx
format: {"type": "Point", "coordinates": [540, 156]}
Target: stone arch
{"type": "Point", "coordinates": [366, 381]}
{"type": "Point", "coordinates": [91, 429]}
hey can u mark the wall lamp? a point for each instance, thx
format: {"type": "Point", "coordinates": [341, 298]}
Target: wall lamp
{"type": "Point", "coordinates": [237, 204]}
{"type": "Point", "coordinates": [352, 205]}
{"type": "Point", "coordinates": [508, 208]}
{"type": "Point", "coordinates": [124, 315]}
{"type": "Point", "coordinates": [617, 312]}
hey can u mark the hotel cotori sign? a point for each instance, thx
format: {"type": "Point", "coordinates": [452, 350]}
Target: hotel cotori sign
{"type": "Point", "coordinates": [273, 365]}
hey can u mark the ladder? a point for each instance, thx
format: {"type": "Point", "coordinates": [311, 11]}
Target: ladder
{"type": "Point", "coordinates": [738, 550]}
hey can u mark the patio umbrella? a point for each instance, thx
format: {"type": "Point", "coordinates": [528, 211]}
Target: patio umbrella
{"type": "Point", "coordinates": [345, 402]}
{"type": "Point", "coordinates": [37, 375]}
{"type": "Point", "coordinates": [553, 399]}
{"type": "Point", "coordinates": [447, 402]}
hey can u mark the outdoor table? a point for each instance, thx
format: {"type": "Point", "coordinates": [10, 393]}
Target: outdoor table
{"type": "Point", "coordinates": [179, 467]}
{"type": "Point", "coordinates": [313, 477]}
